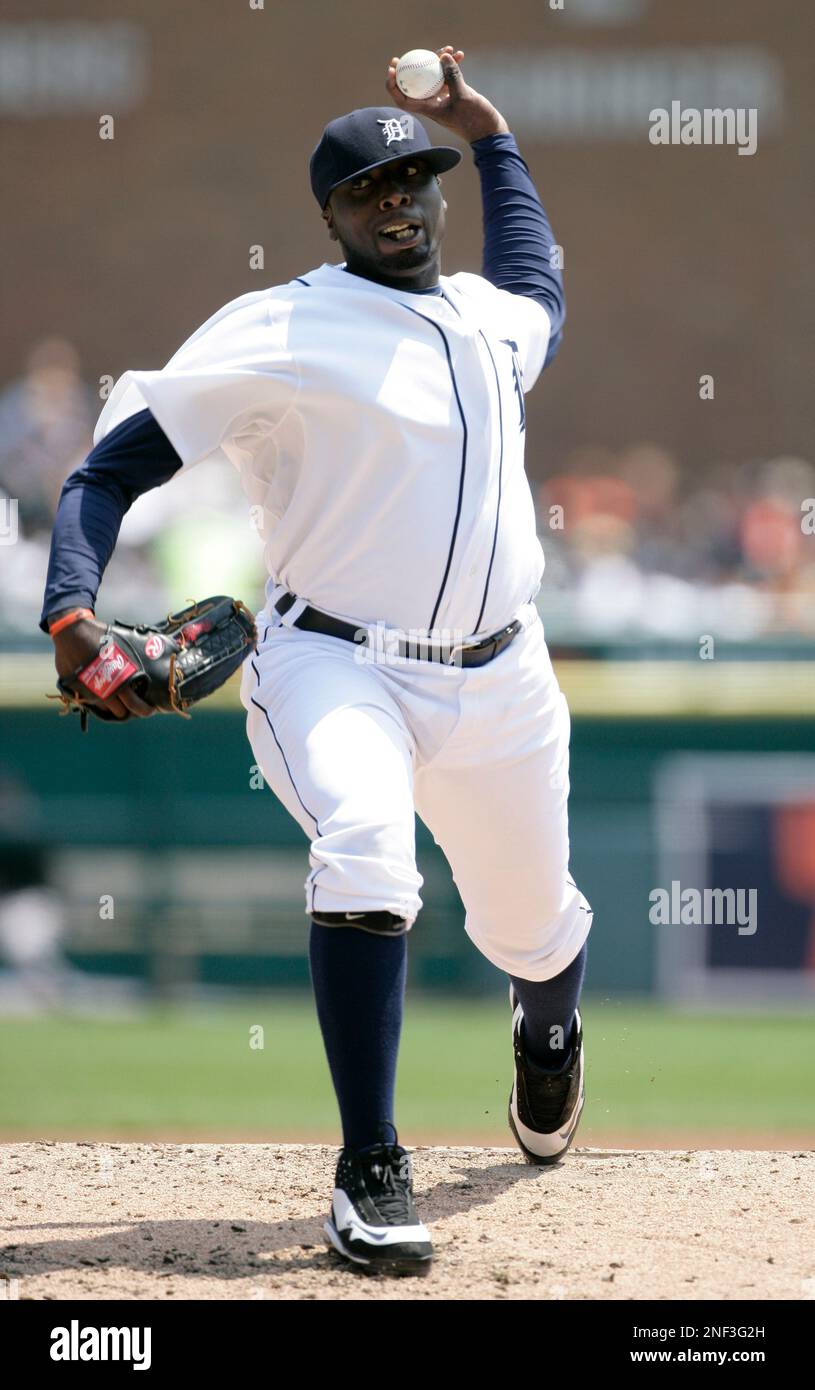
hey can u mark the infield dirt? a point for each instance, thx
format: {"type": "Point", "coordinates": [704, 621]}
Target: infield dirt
{"type": "Point", "coordinates": [245, 1221]}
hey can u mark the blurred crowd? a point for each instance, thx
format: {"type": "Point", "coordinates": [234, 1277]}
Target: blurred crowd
{"type": "Point", "coordinates": [637, 547]}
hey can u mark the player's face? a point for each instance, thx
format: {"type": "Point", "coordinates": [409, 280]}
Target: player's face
{"type": "Point", "coordinates": [360, 210]}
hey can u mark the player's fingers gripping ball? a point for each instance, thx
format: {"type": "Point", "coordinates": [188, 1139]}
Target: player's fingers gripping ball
{"type": "Point", "coordinates": [170, 665]}
{"type": "Point", "coordinates": [419, 74]}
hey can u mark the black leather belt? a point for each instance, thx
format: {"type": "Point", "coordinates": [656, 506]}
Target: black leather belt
{"type": "Point", "coordinates": [449, 654]}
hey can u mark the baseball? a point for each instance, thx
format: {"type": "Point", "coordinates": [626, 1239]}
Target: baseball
{"type": "Point", "coordinates": [419, 73]}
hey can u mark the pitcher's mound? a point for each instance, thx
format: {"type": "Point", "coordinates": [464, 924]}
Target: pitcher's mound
{"type": "Point", "coordinates": [153, 1221]}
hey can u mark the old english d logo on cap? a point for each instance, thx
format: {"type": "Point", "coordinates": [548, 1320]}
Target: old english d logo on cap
{"type": "Point", "coordinates": [364, 139]}
{"type": "Point", "coordinates": [396, 128]}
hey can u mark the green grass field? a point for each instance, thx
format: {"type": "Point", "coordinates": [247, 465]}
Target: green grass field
{"type": "Point", "coordinates": [192, 1074]}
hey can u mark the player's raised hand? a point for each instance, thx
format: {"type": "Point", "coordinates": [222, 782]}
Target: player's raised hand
{"type": "Point", "coordinates": [457, 106]}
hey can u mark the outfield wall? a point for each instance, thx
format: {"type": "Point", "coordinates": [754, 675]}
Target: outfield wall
{"type": "Point", "coordinates": [204, 870]}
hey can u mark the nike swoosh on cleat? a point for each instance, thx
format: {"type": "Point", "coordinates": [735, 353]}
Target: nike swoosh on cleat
{"type": "Point", "coordinates": [355, 1226]}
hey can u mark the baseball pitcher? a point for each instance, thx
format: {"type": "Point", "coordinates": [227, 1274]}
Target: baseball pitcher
{"type": "Point", "coordinates": [375, 411]}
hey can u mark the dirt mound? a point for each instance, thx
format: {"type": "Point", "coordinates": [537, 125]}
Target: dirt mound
{"type": "Point", "coordinates": [155, 1221]}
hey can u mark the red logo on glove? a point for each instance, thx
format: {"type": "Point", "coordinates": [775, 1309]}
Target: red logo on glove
{"type": "Point", "coordinates": [110, 669]}
{"type": "Point", "coordinates": [154, 646]}
{"type": "Point", "coordinates": [192, 630]}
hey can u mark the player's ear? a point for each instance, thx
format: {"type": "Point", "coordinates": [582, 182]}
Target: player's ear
{"type": "Point", "coordinates": [329, 220]}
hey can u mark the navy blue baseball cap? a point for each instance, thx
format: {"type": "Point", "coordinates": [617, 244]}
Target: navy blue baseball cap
{"type": "Point", "coordinates": [364, 139]}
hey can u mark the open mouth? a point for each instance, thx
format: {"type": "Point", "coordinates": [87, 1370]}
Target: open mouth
{"type": "Point", "coordinates": [401, 233]}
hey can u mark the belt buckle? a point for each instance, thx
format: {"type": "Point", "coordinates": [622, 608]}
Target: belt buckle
{"type": "Point", "coordinates": [469, 647]}
{"type": "Point", "coordinates": [494, 638]}
{"type": "Point", "coordinates": [456, 647]}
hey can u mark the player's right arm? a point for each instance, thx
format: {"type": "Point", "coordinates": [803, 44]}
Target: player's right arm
{"type": "Point", "coordinates": [518, 240]}
{"type": "Point", "coordinates": [235, 375]}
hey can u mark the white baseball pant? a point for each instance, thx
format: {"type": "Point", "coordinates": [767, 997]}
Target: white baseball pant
{"type": "Point", "coordinates": [353, 746]}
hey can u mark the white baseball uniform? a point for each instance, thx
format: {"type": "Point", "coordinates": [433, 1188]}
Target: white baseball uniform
{"type": "Point", "coordinates": [379, 437]}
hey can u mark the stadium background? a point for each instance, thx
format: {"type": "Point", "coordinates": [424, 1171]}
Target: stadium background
{"type": "Point", "coordinates": [151, 917]}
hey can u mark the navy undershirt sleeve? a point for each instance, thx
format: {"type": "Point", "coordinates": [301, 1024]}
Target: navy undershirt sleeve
{"type": "Point", "coordinates": [132, 458]}
{"type": "Point", "coordinates": [517, 235]}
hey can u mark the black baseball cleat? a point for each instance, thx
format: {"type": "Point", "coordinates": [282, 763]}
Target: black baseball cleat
{"type": "Point", "coordinates": [545, 1107]}
{"type": "Point", "coordinates": [373, 1219]}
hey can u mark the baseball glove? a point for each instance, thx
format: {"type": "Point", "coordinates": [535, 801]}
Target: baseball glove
{"type": "Point", "coordinates": [170, 665]}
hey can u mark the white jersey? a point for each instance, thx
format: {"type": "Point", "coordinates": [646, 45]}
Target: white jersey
{"type": "Point", "coordinates": [379, 435]}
